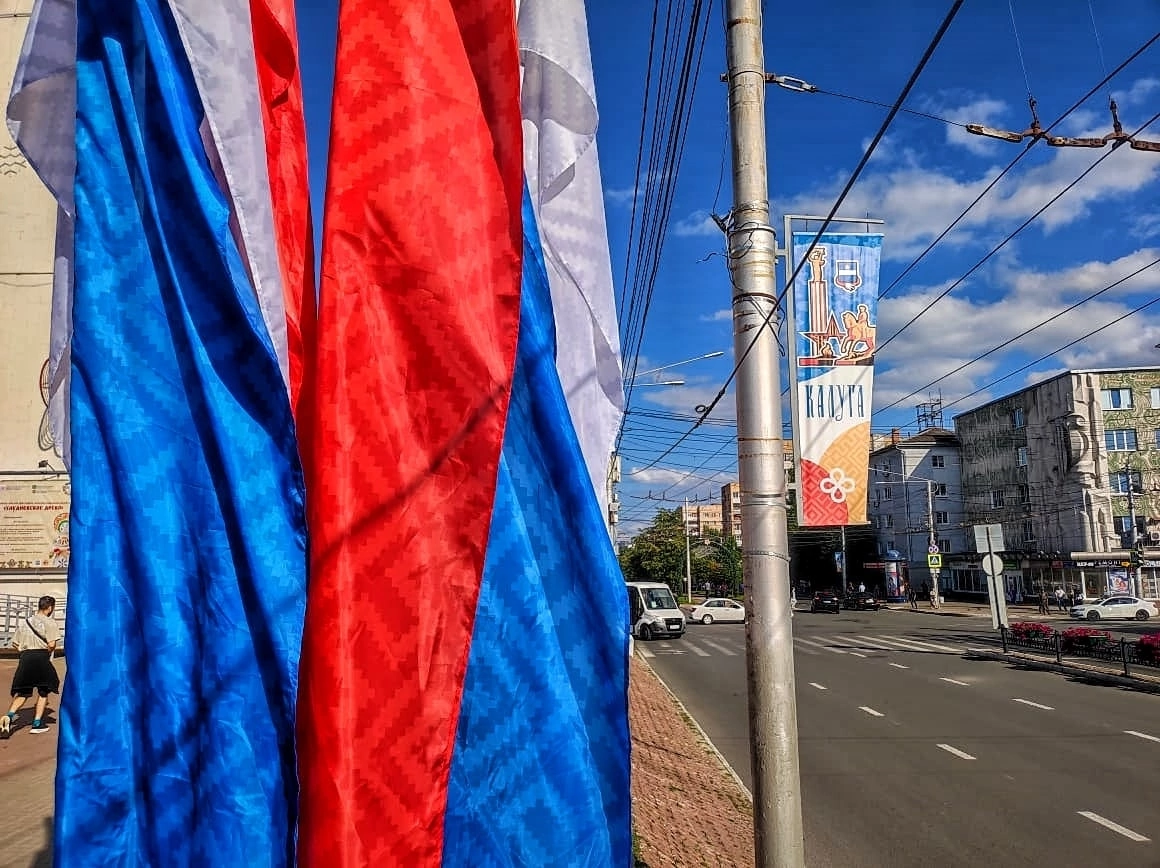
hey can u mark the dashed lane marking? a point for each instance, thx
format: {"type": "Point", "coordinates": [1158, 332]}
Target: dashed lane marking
{"type": "Point", "coordinates": [856, 654]}
{"type": "Point", "coordinates": [955, 681]}
{"type": "Point", "coordinates": [1115, 827]}
{"type": "Point", "coordinates": [818, 686]}
{"type": "Point", "coordinates": [870, 711]}
{"type": "Point", "coordinates": [899, 666]}
{"type": "Point", "coordinates": [956, 752]}
{"type": "Point", "coordinates": [1141, 735]}
{"type": "Point", "coordinates": [1038, 705]}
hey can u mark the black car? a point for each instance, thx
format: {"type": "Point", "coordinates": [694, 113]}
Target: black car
{"type": "Point", "coordinates": [826, 601]}
{"type": "Point", "coordinates": [861, 602]}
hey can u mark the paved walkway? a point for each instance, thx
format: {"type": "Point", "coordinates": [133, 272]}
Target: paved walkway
{"type": "Point", "coordinates": [27, 774]}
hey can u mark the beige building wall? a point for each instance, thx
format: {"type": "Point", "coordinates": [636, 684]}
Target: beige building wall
{"type": "Point", "coordinates": [27, 230]}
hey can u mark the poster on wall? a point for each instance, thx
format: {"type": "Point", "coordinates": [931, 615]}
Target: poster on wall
{"type": "Point", "coordinates": [1118, 581]}
{"type": "Point", "coordinates": [34, 525]}
{"type": "Point", "coordinates": [834, 322]}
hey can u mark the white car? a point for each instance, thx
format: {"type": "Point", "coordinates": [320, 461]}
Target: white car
{"type": "Point", "coordinates": [1118, 606]}
{"type": "Point", "coordinates": [718, 609]}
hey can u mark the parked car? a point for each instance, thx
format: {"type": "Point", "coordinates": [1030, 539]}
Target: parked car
{"type": "Point", "coordinates": [862, 601]}
{"type": "Point", "coordinates": [653, 612]}
{"type": "Point", "coordinates": [1119, 606]}
{"type": "Point", "coordinates": [718, 609]}
{"type": "Point", "coordinates": [826, 601]}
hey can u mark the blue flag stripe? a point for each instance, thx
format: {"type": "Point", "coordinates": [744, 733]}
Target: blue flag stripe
{"type": "Point", "coordinates": [540, 773]}
{"type": "Point", "coordinates": [187, 580]}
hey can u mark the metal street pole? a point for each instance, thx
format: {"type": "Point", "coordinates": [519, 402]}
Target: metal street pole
{"type": "Point", "coordinates": [777, 816]}
{"type": "Point", "coordinates": [688, 555]}
{"type": "Point", "coordinates": [932, 543]}
{"type": "Point", "coordinates": [845, 572]}
{"type": "Point", "coordinates": [1135, 572]}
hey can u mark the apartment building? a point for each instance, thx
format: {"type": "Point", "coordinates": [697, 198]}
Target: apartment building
{"type": "Point", "coordinates": [701, 518]}
{"type": "Point", "coordinates": [915, 504]}
{"type": "Point", "coordinates": [1053, 465]}
{"type": "Point", "coordinates": [731, 510]}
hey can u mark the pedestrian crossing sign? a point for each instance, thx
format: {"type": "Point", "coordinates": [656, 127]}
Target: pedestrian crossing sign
{"type": "Point", "coordinates": [934, 561]}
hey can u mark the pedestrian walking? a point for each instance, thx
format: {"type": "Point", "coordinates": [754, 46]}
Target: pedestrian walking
{"type": "Point", "coordinates": [1043, 608]}
{"type": "Point", "coordinates": [912, 595]}
{"type": "Point", "coordinates": [1059, 600]}
{"type": "Point", "coordinates": [861, 587]}
{"type": "Point", "coordinates": [36, 637]}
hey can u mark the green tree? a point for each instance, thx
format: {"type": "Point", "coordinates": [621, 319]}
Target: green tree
{"type": "Point", "coordinates": [657, 553]}
{"type": "Point", "coordinates": [721, 557]}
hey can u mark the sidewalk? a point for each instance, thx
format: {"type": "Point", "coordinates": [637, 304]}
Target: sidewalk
{"type": "Point", "coordinates": [687, 807]}
{"type": "Point", "coordinates": [959, 609]}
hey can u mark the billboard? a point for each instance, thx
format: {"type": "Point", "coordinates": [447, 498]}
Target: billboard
{"type": "Point", "coordinates": [835, 310]}
{"type": "Point", "coordinates": [34, 525]}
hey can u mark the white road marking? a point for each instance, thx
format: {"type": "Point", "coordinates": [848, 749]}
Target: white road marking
{"type": "Point", "coordinates": [917, 645]}
{"type": "Point", "coordinates": [728, 652]}
{"type": "Point", "coordinates": [955, 681]}
{"type": "Point", "coordinates": [644, 652]}
{"type": "Point", "coordinates": [868, 642]}
{"type": "Point", "coordinates": [856, 654]}
{"type": "Point", "coordinates": [870, 711]}
{"type": "Point", "coordinates": [1038, 705]}
{"type": "Point", "coordinates": [899, 666]}
{"type": "Point", "coordinates": [1141, 735]}
{"type": "Point", "coordinates": [1115, 827]}
{"type": "Point", "coordinates": [820, 645]}
{"type": "Point", "coordinates": [954, 750]}
{"type": "Point", "coordinates": [801, 647]}
{"type": "Point", "coordinates": [818, 686]}
{"type": "Point", "coordinates": [700, 652]}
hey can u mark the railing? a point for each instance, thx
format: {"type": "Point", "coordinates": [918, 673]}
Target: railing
{"type": "Point", "coordinates": [1121, 652]}
{"type": "Point", "coordinates": [14, 608]}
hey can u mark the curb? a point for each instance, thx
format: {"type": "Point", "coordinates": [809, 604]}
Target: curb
{"type": "Point", "coordinates": [1145, 685]}
{"type": "Point", "coordinates": [692, 721]}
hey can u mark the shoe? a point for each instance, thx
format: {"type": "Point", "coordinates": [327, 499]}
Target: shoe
{"type": "Point", "coordinates": [39, 726]}
{"type": "Point", "coordinates": [5, 726]}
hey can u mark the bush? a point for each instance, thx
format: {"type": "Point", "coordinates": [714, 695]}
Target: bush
{"type": "Point", "coordinates": [1148, 648]}
{"type": "Point", "coordinates": [1031, 630]}
{"type": "Point", "coordinates": [1084, 638]}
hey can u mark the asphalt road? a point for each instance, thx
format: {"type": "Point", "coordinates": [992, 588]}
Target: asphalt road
{"type": "Point", "coordinates": [914, 754]}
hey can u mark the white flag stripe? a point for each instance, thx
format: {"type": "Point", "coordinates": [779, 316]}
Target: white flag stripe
{"type": "Point", "coordinates": [218, 38]}
{"type": "Point", "coordinates": [562, 170]}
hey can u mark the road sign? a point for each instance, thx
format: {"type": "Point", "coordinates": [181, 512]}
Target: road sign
{"type": "Point", "coordinates": [992, 565]}
{"type": "Point", "coordinates": [932, 549]}
{"type": "Point", "coordinates": [988, 538]}
{"type": "Point", "coordinates": [934, 561]}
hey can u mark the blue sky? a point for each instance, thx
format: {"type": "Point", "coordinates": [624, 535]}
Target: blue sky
{"type": "Point", "coordinates": [921, 177]}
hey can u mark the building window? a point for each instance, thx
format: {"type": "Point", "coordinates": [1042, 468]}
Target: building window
{"type": "Point", "coordinates": [938, 460]}
{"type": "Point", "coordinates": [888, 521]}
{"type": "Point", "coordinates": [887, 492]}
{"type": "Point", "coordinates": [1021, 456]}
{"type": "Point", "coordinates": [997, 499]}
{"type": "Point", "coordinates": [942, 518]}
{"type": "Point", "coordinates": [1119, 482]}
{"type": "Point", "coordinates": [1028, 532]}
{"type": "Point", "coordinates": [1024, 494]}
{"type": "Point", "coordinates": [1156, 434]}
{"type": "Point", "coordinates": [944, 546]}
{"type": "Point", "coordinates": [939, 489]}
{"type": "Point", "coordinates": [1154, 398]}
{"type": "Point", "coordinates": [1120, 440]}
{"type": "Point", "coordinates": [1116, 399]}
{"type": "Point", "coordinates": [1018, 418]}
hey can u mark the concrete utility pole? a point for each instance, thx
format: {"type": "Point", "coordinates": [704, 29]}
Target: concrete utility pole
{"type": "Point", "coordinates": [688, 554]}
{"type": "Point", "coordinates": [932, 543]}
{"type": "Point", "coordinates": [777, 813]}
{"type": "Point", "coordinates": [1134, 539]}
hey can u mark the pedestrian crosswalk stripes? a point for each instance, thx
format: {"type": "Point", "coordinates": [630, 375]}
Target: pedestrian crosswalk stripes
{"type": "Point", "coordinates": [858, 645]}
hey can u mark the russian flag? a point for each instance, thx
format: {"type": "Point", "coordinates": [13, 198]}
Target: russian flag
{"type": "Point", "coordinates": [463, 696]}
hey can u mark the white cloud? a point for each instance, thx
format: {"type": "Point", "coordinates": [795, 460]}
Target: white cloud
{"type": "Point", "coordinates": [624, 195]}
{"type": "Point", "coordinates": [1145, 226]}
{"type": "Point", "coordinates": [700, 222]}
{"type": "Point", "coordinates": [725, 315]}
{"type": "Point", "coordinates": [977, 110]}
{"type": "Point", "coordinates": [1139, 92]}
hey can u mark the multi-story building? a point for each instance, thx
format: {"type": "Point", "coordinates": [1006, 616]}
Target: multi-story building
{"type": "Point", "coordinates": [914, 504]}
{"type": "Point", "coordinates": [731, 510]}
{"type": "Point", "coordinates": [701, 518]}
{"type": "Point", "coordinates": [1053, 464]}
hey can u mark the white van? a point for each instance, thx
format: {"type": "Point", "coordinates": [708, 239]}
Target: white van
{"type": "Point", "coordinates": [653, 611]}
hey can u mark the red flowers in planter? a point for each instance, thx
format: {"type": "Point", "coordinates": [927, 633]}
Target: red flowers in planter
{"type": "Point", "coordinates": [1084, 637]}
{"type": "Point", "coordinates": [1031, 630]}
{"type": "Point", "coordinates": [1148, 647]}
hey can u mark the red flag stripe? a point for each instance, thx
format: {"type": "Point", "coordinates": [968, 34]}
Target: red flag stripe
{"type": "Point", "coordinates": [276, 52]}
{"type": "Point", "coordinates": [418, 319]}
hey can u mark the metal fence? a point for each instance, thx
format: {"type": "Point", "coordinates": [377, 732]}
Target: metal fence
{"type": "Point", "coordinates": [1123, 653]}
{"type": "Point", "coordinates": [14, 608]}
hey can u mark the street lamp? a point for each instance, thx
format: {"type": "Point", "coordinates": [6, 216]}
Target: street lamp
{"type": "Point", "coordinates": [713, 355]}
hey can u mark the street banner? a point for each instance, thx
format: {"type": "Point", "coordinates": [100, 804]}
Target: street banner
{"type": "Point", "coordinates": [34, 520]}
{"type": "Point", "coordinates": [834, 317]}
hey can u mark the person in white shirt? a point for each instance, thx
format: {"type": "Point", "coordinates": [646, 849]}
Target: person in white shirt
{"type": "Point", "coordinates": [36, 637]}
